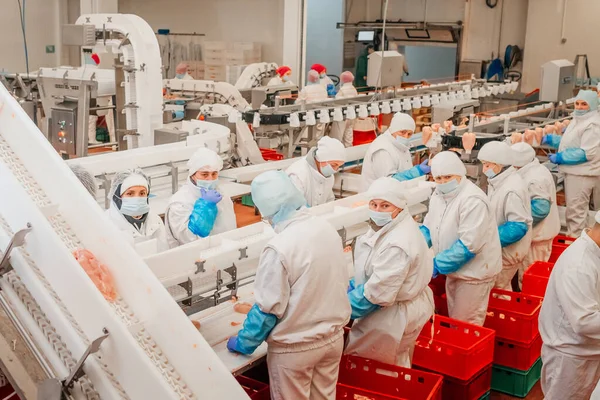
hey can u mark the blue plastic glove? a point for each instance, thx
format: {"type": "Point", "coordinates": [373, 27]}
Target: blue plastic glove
{"type": "Point", "coordinates": [453, 258]}
{"type": "Point", "coordinates": [257, 327]}
{"type": "Point", "coordinates": [511, 232]}
{"type": "Point", "coordinates": [361, 307]}
{"type": "Point", "coordinates": [426, 234]}
{"type": "Point", "coordinates": [351, 286]}
{"type": "Point", "coordinates": [540, 208]}
{"type": "Point", "coordinates": [553, 158]}
{"type": "Point", "coordinates": [425, 169]}
{"type": "Point", "coordinates": [572, 156]}
{"type": "Point", "coordinates": [409, 174]}
{"type": "Point", "coordinates": [436, 273]}
{"type": "Point", "coordinates": [552, 140]}
{"type": "Point", "coordinates": [331, 90]}
{"type": "Point", "coordinates": [210, 195]}
{"type": "Point", "coordinates": [203, 217]}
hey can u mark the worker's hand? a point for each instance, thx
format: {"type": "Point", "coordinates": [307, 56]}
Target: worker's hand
{"type": "Point", "coordinates": [232, 344]}
{"type": "Point", "coordinates": [210, 195]}
{"type": "Point", "coordinates": [425, 169]}
{"type": "Point", "coordinates": [351, 286]}
{"type": "Point", "coordinates": [553, 158]}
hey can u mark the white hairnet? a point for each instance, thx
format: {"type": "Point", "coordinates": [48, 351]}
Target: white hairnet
{"type": "Point", "coordinates": [329, 149]}
{"type": "Point", "coordinates": [388, 189]}
{"type": "Point", "coordinates": [313, 76]}
{"type": "Point", "coordinates": [85, 177]}
{"type": "Point", "coordinates": [275, 195]}
{"type": "Point", "coordinates": [204, 160]}
{"type": "Point", "coordinates": [447, 163]}
{"type": "Point", "coordinates": [496, 152]}
{"type": "Point", "coordinates": [128, 179]}
{"type": "Point", "coordinates": [402, 122]}
{"type": "Point", "coordinates": [523, 154]}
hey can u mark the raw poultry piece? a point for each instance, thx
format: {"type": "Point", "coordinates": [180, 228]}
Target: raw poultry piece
{"type": "Point", "coordinates": [427, 134]}
{"type": "Point", "coordinates": [539, 134]}
{"type": "Point", "coordinates": [196, 324]}
{"type": "Point", "coordinates": [529, 137]}
{"type": "Point", "coordinates": [516, 137]}
{"type": "Point", "coordinates": [98, 273]}
{"type": "Point", "coordinates": [468, 141]}
{"type": "Point", "coordinates": [242, 308]}
{"type": "Point", "coordinates": [436, 128]}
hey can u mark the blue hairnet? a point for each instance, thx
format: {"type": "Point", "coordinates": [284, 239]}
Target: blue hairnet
{"type": "Point", "coordinates": [276, 196]}
{"type": "Point", "coordinates": [590, 97]}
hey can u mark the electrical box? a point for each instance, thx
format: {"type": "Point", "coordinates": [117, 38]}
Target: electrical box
{"type": "Point", "coordinates": [166, 135]}
{"type": "Point", "coordinates": [558, 80]}
{"type": "Point", "coordinates": [79, 35]}
{"type": "Point", "coordinates": [62, 128]}
{"type": "Point", "coordinates": [385, 68]}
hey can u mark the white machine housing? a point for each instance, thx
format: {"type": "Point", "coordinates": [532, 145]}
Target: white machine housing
{"type": "Point", "coordinates": [558, 80]}
{"type": "Point", "coordinates": [385, 68]}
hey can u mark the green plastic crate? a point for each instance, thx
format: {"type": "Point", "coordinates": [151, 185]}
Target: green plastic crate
{"type": "Point", "coordinates": [247, 200]}
{"type": "Point", "coordinates": [485, 396]}
{"type": "Point", "coordinates": [514, 382]}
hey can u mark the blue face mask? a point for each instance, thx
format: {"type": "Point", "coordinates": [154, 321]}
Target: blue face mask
{"type": "Point", "coordinates": [179, 76]}
{"type": "Point", "coordinates": [209, 185]}
{"type": "Point", "coordinates": [380, 218]}
{"type": "Point", "coordinates": [285, 78]}
{"type": "Point", "coordinates": [323, 75]}
{"type": "Point", "coordinates": [403, 141]}
{"type": "Point", "coordinates": [580, 113]}
{"type": "Point", "coordinates": [490, 173]}
{"type": "Point", "coordinates": [447, 187]}
{"type": "Point", "coordinates": [134, 206]}
{"type": "Point", "coordinates": [327, 171]}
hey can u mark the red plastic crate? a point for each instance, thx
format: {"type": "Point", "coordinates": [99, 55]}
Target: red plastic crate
{"type": "Point", "coordinates": [254, 389]}
{"type": "Point", "coordinates": [270, 155]}
{"type": "Point", "coordinates": [559, 244]}
{"type": "Point", "coordinates": [363, 137]}
{"type": "Point", "coordinates": [517, 355]}
{"type": "Point", "coordinates": [458, 349]}
{"type": "Point", "coordinates": [378, 381]}
{"type": "Point", "coordinates": [441, 305]}
{"type": "Point", "coordinates": [473, 389]}
{"type": "Point", "coordinates": [514, 316]}
{"type": "Point", "coordinates": [438, 285]}
{"type": "Point", "coordinates": [535, 278]}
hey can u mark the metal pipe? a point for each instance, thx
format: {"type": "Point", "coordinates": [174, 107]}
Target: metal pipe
{"type": "Point", "coordinates": [563, 39]}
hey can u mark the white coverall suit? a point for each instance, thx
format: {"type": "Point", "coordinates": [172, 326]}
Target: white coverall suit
{"type": "Point", "coordinates": [344, 130]}
{"type": "Point", "coordinates": [582, 180]}
{"type": "Point", "coordinates": [302, 279]}
{"type": "Point", "coordinates": [540, 185]}
{"type": "Point", "coordinates": [509, 200]}
{"type": "Point", "coordinates": [395, 266]}
{"type": "Point", "coordinates": [313, 93]}
{"type": "Point", "coordinates": [569, 324]}
{"type": "Point", "coordinates": [384, 157]}
{"type": "Point", "coordinates": [177, 215]}
{"type": "Point", "coordinates": [316, 188]}
{"type": "Point", "coordinates": [465, 214]}
{"type": "Point", "coordinates": [152, 228]}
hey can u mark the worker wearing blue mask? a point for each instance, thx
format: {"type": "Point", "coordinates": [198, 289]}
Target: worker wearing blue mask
{"type": "Point", "coordinates": [301, 306]}
{"type": "Point", "coordinates": [390, 297]}
{"type": "Point", "coordinates": [578, 158]}
{"type": "Point", "coordinates": [313, 174]}
{"type": "Point", "coordinates": [199, 208]}
{"type": "Point", "coordinates": [130, 210]}
{"type": "Point", "coordinates": [181, 72]}
{"type": "Point", "coordinates": [460, 227]}
{"type": "Point", "coordinates": [389, 154]}
{"type": "Point", "coordinates": [511, 208]}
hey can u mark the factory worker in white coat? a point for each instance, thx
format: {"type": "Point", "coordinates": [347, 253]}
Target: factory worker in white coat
{"type": "Point", "coordinates": [313, 91]}
{"type": "Point", "coordinates": [511, 208]}
{"type": "Point", "coordinates": [313, 174]}
{"type": "Point", "coordinates": [461, 228]}
{"type": "Point", "coordinates": [569, 321]}
{"type": "Point", "coordinates": [390, 297]}
{"type": "Point", "coordinates": [130, 211]}
{"type": "Point", "coordinates": [85, 177]}
{"type": "Point", "coordinates": [542, 198]}
{"type": "Point", "coordinates": [389, 154]}
{"type": "Point", "coordinates": [344, 130]}
{"type": "Point", "coordinates": [187, 217]}
{"type": "Point", "coordinates": [578, 158]}
{"type": "Point", "coordinates": [300, 289]}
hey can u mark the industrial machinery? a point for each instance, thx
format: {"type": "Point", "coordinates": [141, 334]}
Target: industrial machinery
{"type": "Point", "coordinates": [558, 80]}
{"type": "Point", "coordinates": [386, 68]}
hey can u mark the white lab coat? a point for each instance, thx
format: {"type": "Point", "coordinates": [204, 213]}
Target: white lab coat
{"type": "Point", "coordinates": [384, 157]}
{"type": "Point", "coordinates": [395, 266]}
{"type": "Point", "coordinates": [177, 215]}
{"type": "Point", "coordinates": [569, 323]}
{"type": "Point", "coordinates": [316, 188]}
{"type": "Point", "coordinates": [152, 228]}
{"type": "Point", "coordinates": [312, 94]}
{"type": "Point", "coordinates": [346, 91]}
{"type": "Point", "coordinates": [325, 81]}
{"type": "Point", "coordinates": [277, 81]}
{"type": "Point", "coordinates": [509, 200]}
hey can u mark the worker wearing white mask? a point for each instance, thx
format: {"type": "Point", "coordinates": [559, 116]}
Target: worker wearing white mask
{"type": "Point", "coordinates": [542, 197]}
{"type": "Point", "coordinates": [130, 211]}
{"type": "Point", "coordinates": [300, 289]}
{"type": "Point", "coordinates": [284, 74]}
{"type": "Point", "coordinates": [569, 321]}
{"type": "Point", "coordinates": [344, 130]}
{"type": "Point", "coordinates": [461, 228]}
{"type": "Point", "coordinates": [511, 209]}
{"type": "Point", "coordinates": [578, 159]}
{"type": "Point", "coordinates": [313, 174]}
{"type": "Point", "coordinates": [199, 208]}
{"type": "Point", "coordinates": [390, 297]}
{"type": "Point", "coordinates": [389, 154]}
{"type": "Point", "coordinates": [313, 92]}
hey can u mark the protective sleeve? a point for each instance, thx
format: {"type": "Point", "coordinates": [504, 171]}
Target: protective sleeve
{"type": "Point", "coordinates": [454, 257]}
{"type": "Point", "coordinates": [361, 306]}
{"type": "Point", "coordinates": [390, 268]}
{"type": "Point", "coordinates": [572, 156]}
{"type": "Point", "coordinates": [473, 223]}
{"type": "Point", "coordinates": [409, 174]}
{"type": "Point", "coordinates": [257, 327]}
{"type": "Point", "coordinates": [383, 164]}
{"type": "Point", "coordinates": [203, 217]}
{"type": "Point", "coordinates": [178, 220]}
{"type": "Point", "coordinates": [540, 208]}
{"type": "Point", "coordinates": [578, 294]}
{"type": "Point", "coordinates": [271, 286]}
{"type": "Point", "coordinates": [552, 140]}
{"type": "Point", "coordinates": [426, 234]}
{"type": "Point", "coordinates": [511, 232]}
{"type": "Point", "coordinates": [515, 209]}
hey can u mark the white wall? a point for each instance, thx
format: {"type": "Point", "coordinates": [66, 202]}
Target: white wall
{"type": "Point", "coordinates": [226, 20]}
{"type": "Point", "coordinates": [544, 36]}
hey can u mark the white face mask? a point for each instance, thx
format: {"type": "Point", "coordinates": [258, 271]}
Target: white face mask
{"type": "Point", "coordinates": [490, 173]}
{"type": "Point", "coordinates": [327, 171]}
{"type": "Point", "coordinates": [380, 218]}
{"type": "Point", "coordinates": [209, 185]}
{"type": "Point", "coordinates": [134, 206]}
{"type": "Point", "coordinates": [403, 141]}
{"type": "Point", "coordinates": [448, 187]}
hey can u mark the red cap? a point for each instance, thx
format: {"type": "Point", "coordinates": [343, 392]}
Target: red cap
{"type": "Point", "coordinates": [96, 58]}
{"type": "Point", "coordinates": [320, 68]}
{"type": "Point", "coordinates": [281, 71]}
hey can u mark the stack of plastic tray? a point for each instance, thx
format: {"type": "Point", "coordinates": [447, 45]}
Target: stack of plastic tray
{"type": "Point", "coordinates": [559, 244]}
{"type": "Point", "coordinates": [518, 345]}
{"type": "Point", "coordinates": [254, 389]}
{"type": "Point", "coordinates": [462, 353]}
{"type": "Point", "coordinates": [373, 380]}
{"type": "Point", "coordinates": [535, 278]}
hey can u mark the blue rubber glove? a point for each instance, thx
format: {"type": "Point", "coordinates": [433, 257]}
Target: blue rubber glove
{"type": "Point", "coordinates": [331, 90]}
{"type": "Point", "coordinates": [351, 286]}
{"type": "Point", "coordinates": [257, 327]}
{"type": "Point", "coordinates": [361, 307]}
{"type": "Point", "coordinates": [426, 234]}
{"type": "Point", "coordinates": [552, 140]}
{"type": "Point", "coordinates": [453, 258]}
{"type": "Point", "coordinates": [511, 232]}
{"type": "Point", "coordinates": [425, 169]}
{"type": "Point", "coordinates": [210, 195]}
{"type": "Point", "coordinates": [572, 156]}
{"type": "Point", "coordinates": [540, 208]}
{"type": "Point", "coordinates": [409, 174]}
{"type": "Point", "coordinates": [553, 158]}
{"type": "Point", "coordinates": [203, 217]}
{"type": "Point", "coordinates": [436, 273]}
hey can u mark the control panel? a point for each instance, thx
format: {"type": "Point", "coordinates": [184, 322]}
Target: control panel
{"type": "Point", "coordinates": [62, 129]}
